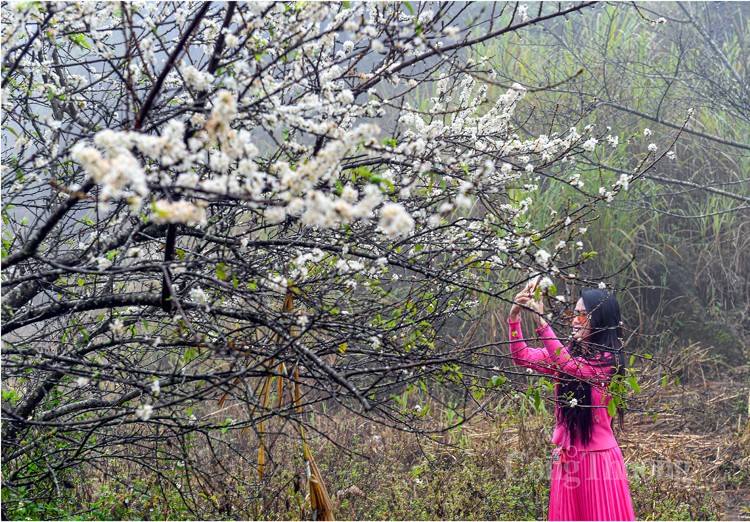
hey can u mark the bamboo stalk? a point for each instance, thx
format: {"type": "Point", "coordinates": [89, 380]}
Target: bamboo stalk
{"type": "Point", "coordinates": [320, 501]}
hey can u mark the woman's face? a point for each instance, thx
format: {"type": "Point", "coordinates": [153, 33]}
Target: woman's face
{"type": "Point", "coordinates": [581, 321]}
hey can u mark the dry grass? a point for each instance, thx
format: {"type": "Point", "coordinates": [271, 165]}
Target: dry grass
{"type": "Point", "coordinates": [691, 461]}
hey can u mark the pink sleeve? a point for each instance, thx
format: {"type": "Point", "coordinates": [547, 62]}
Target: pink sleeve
{"type": "Point", "coordinates": [565, 364]}
{"type": "Point", "coordinates": [538, 359]}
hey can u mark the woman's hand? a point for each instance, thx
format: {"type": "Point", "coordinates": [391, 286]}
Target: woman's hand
{"type": "Point", "coordinates": [525, 299]}
{"type": "Point", "coordinates": [537, 306]}
{"type": "Point", "coordinates": [520, 302]}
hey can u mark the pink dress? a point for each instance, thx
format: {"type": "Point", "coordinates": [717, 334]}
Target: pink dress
{"type": "Point", "coordinates": [589, 482]}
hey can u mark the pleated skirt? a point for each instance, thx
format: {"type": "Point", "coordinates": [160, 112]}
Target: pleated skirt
{"type": "Point", "coordinates": [590, 485]}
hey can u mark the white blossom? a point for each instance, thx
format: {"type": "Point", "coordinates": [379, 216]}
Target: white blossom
{"type": "Point", "coordinates": [177, 212]}
{"type": "Point", "coordinates": [623, 181]}
{"type": "Point", "coordinates": [198, 80]}
{"type": "Point", "coordinates": [103, 263]}
{"type": "Point", "coordinates": [117, 327]}
{"type": "Point", "coordinates": [144, 412]}
{"type": "Point", "coordinates": [198, 295]}
{"type": "Point", "coordinates": [231, 41]}
{"type": "Point", "coordinates": [523, 12]}
{"type": "Point", "coordinates": [395, 220]}
{"type": "Point", "coordinates": [590, 144]}
{"type": "Point", "coordinates": [451, 31]}
{"type": "Point", "coordinates": [542, 257]}
{"type": "Point", "coordinates": [545, 283]}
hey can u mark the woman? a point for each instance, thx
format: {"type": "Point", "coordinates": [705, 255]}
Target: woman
{"type": "Point", "coordinates": [589, 481]}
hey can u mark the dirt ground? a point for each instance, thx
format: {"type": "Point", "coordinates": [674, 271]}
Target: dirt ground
{"type": "Point", "coordinates": [701, 437]}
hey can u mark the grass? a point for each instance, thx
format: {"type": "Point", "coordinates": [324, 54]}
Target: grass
{"type": "Point", "coordinates": [497, 467]}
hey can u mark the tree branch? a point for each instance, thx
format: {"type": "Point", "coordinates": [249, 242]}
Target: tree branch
{"type": "Point", "coordinates": [156, 89]}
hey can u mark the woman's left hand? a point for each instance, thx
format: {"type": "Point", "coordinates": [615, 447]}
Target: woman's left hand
{"type": "Point", "coordinates": [537, 306]}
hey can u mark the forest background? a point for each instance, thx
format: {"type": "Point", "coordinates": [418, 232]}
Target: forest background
{"type": "Point", "coordinates": [257, 257]}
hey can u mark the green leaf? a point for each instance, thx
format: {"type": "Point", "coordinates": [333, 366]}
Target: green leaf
{"type": "Point", "coordinates": [589, 255]}
{"type": "Point", "coordinates": [634, 384]}
{"type": "Point", "coordinates": [612, 407]}
{"type": "Point", "coordinates": [80, 40]}
{"type": "Point", "coordinates": [498, 380]}
{"type": "Point", "coordinates": [221, 271]}
{"type": "Point", "coordinates": [190, 354]}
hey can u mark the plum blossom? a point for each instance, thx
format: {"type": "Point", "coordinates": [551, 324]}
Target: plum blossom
{"type": "Point", "coordinates": [144, 412]}
{"type": "Point", "coordinates": [177, 212]}
{"type": "Point", "coordinates": [117, 327]}
{"type": "Point", "coordinates": [542, 257]}
{"type": "Point", "coordinates": [118, 171]}
{"type": "Point", "coordinates": [196, 79]}
{"type": "Point", "coordinates": [451, 31]}
{"type": "Point", "coordinates": [590, 144]}
{"type": "Point", "coordinates": [545, 283]}
{"type": "Point", "coordinates": [623, 181]}
{"type": "Point", "coordinates": [523, 12]}
{"type": "Point", "coordinates": [395, 220]}
{"type": "Point", "coordinates": [198, 295]}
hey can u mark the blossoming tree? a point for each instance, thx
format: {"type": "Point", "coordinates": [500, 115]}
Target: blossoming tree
{"type": "Point", "coordinates": [202, 199]}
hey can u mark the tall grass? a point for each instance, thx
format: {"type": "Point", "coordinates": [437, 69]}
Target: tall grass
{"type": "Point", "coordinates": [671, 249]}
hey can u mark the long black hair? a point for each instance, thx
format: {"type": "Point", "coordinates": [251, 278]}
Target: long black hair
{"type": "Point", "coordinates": [603, 346]}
